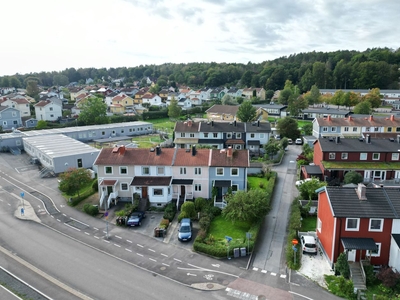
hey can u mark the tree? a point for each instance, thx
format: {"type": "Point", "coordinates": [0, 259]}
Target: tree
{"type": "Point", "coordinates": [296, 105]}
{"type": "Point", "coordinates": [374, 98]}
{"type": "Point", "coordinates": [313, 96]}
{"type": "Point", "coordinates": [155, 89]}
{"type": "Point", "coordinates": [342, 265]}
{"type": "Point", "coordinates": [93, 111]}
{"type": "Point", "coordinates": [174, 110]}
{"type": "Point", "coordinates": [32, 89]}
{"type": "Point", "coordinates": [353, 177]}
{"type": "Point", "coordinates": [73, 180]}
{"type": "Point", "coordinates": [247, 206]}
{"type": "Point", "coordinates": [239, 100]}
{"type": "Point", "coordinates": [15, 82]}
{"type": "Point", "coordinates": [363, 108]}
{"type": "Point", "coordinates": [307, 188]}
{"type": "Point", "coordinates": [288, 127]}
{"type": "Point", "coordinates": [60, 80]}
{"type": "Point", "coordinates": [246, 78]}
{"type": "Point", "coordinates": [246, 112]}
{"type": "Point", "coordinates": [187, 210]}
{"type": "Point", "coordinates": [272, 148]}
{"type": "Point", "coordinates": [307, 128]}
{"type": "Point", "coordinates": [228, 100]}
{"type": "Point", "coordinates": [41, 124]}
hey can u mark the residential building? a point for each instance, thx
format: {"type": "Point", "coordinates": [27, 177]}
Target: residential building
{"type": "Point", "coordinates": [10, 118]}
{"type": "Point", "coordinates": [312, 113]}
{"type": "Point", "coordinates": [121, 103]}
{"type": "Point", "coordinates": [248, 93]}
{"type": "Point", "coordinates": [20, 104]}
{"type": "Point", "coordinates": [48, 110]}
{"type": "Point", "coordinates": [222, 112]}
{"type": "Point", "coordinates": [362, 222]}
{"type": "Point", "coordinates": [152, 100]}
{"type": "Point", "coordinates": [274, 110]}
{"type": "Point", "coordinates": [388, 96]}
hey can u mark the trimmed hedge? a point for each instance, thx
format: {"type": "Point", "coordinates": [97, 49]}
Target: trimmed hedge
{"type": "Point", "coordinates": [294, 227]}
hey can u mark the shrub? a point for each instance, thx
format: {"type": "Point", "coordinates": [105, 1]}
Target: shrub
{"type": "Point", "coordinates": [188, 209]}
{"type": "Point", "coordinates": [183, 215]}
{"type": "Point", "coordinates": [342, 265]}
{"type": "Point", "coordinates": [90, 209]}
{"type": "Point", "coordinates": [95, 186]}
{"type": "Point", "coordinates": [200, 203]}
{"type": "Point", "coordinates": [388, 277]}
{"type": "Point", "coordinates": [164, 222]}
{"type": "Point", "coordinates": [170, 211]}
{"type": "Point", "coordinates": [341, 287]}
{"type": "Point", "coordinates": [215, 211]}
{"type": "Point", "coordinates": [205, 222]}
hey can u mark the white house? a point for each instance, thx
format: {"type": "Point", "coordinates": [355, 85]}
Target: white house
{"type": "Point", "coordinates": [152, 99]}
{"type": "Point", "coordinates": [21, 104]}
{"type": "Point", "coordinates": [48, 110]}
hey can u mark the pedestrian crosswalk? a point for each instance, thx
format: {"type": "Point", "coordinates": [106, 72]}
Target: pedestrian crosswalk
{"type": "Point", "coordinates": [240, 295]}
{"type": "Point", "coordinates": [270, 273]}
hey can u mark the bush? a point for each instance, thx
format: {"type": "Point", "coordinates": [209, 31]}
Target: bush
{"type": "Point", "coordinates": [95, 186]}
{"type": "Point", "coordinates": [90, 209]}
{"type": "Point", "coordinates": [200, 203]}
{"type": "Point", "coordinates": [341, 287]}
{"type": "Point", "coordinates": [205, 222]}
{"type": "Point", "coordinates": [188, 209]}
{"type": "Point", "coordinates": [215, 211]}
{"type": "Point", "coordinates": [164, 223]}
{"type": "Point", "coordinates": [170, 211]}
{"type": "Point", "coordinates": [183, 215]}
{"type": "Point", "coordinates": [342, 265]}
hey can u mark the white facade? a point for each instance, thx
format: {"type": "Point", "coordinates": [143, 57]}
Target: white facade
{"type": "Point", "coordinates": [48, 112]}
{"type": "Point", "coordinates": [21, 104]}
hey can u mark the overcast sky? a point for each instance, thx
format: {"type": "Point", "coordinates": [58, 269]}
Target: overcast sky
{"type": "Point", "coordinates": [52, 35]}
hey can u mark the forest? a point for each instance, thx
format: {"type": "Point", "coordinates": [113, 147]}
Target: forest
{"type": "Point", "coordinates": [344, 69]}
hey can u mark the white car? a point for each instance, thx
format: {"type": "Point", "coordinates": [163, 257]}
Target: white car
{"type": "Point", "coordinates": [299, 141]}
{"type": "Point", "coordinates": [308, 244]}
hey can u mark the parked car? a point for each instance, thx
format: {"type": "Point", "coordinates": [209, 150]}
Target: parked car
{"type": "Point", "coordinates": [135, 219]}
{"type": "Point", "coordinates": [290, 141]}
{"type": "Point", "coordinates": [185, 230]}
{"type": "Point", "coordinates": [299, 141]}
{"type": "Point", "coordinates": [278, 137]}
{"type": "Point", "coordinates": [308, 244]}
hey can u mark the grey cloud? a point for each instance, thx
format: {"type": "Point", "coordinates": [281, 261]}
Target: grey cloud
{"type": "Point", "coordinates": [217, 2]}
{"type": "Point", "coordinates": [223, 27]}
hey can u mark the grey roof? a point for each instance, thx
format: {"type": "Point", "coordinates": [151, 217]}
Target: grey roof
{"type": "Point", "coordinates": [258, 127]}
{"type": "Point", "coordinates": [221, 127]}
{"type": "Point", "coordinates": [380, 203]}
{"type": "Point", "coordinates": [358, 243]}
{"type": "Point", "coordinates": [273, 106]}
{"type": "Point", "coordinates": [328, 111]}
{"type": "Point", "coordinates": [356, 145]}
{"type": "Point", "coordinates": [313, 170]}
{"type": "Point", "coordinates": [357, 91]}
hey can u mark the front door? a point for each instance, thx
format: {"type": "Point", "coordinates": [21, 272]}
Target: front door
{"type": "Point", "coordinates": [351, 255]}
{"type": "Point", "coordinates": [183, 190]}
{"type": "Point", "coordinates": [109, 189]}
{"type": "Point", "coordinates": [79, 162]}
{"type": "Point", "coordinates": [144, 191]}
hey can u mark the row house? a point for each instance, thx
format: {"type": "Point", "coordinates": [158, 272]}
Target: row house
{"type": "Point", "coordinates": [274, 110]}
{"type": "Point", "coordinates": [375, 159]}
{"type": "Point", "coordinates": [165, 174]}
{"type": "Point", "coordinates": [234, 92]}
{"type": "Point", "coordinates": [356, 126]}
{"type": "Point", "coordinates": [20, 104]}
{"type": "Point", "coordinates": [248, 93]}
{"type": "Point", "coordinates": [387, 95]}
{"type": "Point", "coordinates": [218, 93]}
{"type": "Point", "coordinates": [312, 113]}
{"type": "Point", "coordinates": [48, 110]}
{"type": "Point", "coordinates": [362, 222]}
{"type": "Point", "coordinates": [220, 135]}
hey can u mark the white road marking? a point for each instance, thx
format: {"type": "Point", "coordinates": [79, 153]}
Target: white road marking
{"type": "Point", "coordinates": [152, 259]}
{"type": "Point", "coordinates": [80, 222]}
{"type": "Point", "coordinates": [58, 220]}
{"type": "Point", "coordinates": [151, 250]}
{"type": "Point", "coordinates": [96, 237]}
{"type": "Point", "coordinates": [273, 274]}
{"type": "Point", "coordinates": [129, 250]}
{"type": "Point", "coordinates": [87, 233]}
{"type": "Point", "coordinates": [264, 271]}
{"type": "Point", "coordinates": [64, 215]}
{"type": "Point", "coordinates": [165, 265]}
{"type": "Point", "coordinates": [106, 241]}
{"type": "Point", "coordinates": [255, 269]}
{"type": "Point", "coordinates": [164, 254]}
{"type": "Point", "coordinates": [140, 245]}
{"type": "Point", "coordinates": [77, 229]}
{"type": "Point", "coordinates": [216, 265]}
{"type": "Point", "coordinates": [116, 245]}
{"type": "Point", "coordinates": [139, 254]}
{"type": "Point", "coordinates": [129, 241]}
{"type": "Point", "coordinates": [118, 237]}
{"type": "Point", "coordinates": [95, 228]}
{"type": "Point", "coordinates": [177, 259]}
{"type": "Point", "coordinates": [283, 276]}
{"type": "Point", "coordinates": [300, 295]}
{"type": "Point", "coordinates": [189, 274]}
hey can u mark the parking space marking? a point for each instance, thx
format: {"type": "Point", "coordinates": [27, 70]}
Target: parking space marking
{"type": "Point", "coordinates": [118, 237]}
{"type": "Point", "coordinates": [95, 228]}
{"type": "Point", "coordinates": [129, 250]}
{"type": "Point", "coordinates": [151, 250]}
{"type": "Point", "coordinates": [255, 269]}
{"type": "Point", "coordinates": [164, 254]}
{"type": "Point", "coordinates": [152, 259]}
{"type": "Point", "coordinates": [177, 260]}
{"type": "Point", "coordinates": [96, 237]}
{"type": "Point", "coordinates": [283, 276]}
{"type": "Point", "coordinates": [106, 241]}
{"type": "Point", "coordinates": [165, 265]}
{"type": "Point", "coordinates": [129, 241]}
{"type": "Point", "coordinates": [64, 215]}
{"type": "Point", "coordinates": [141, 246]}
{"type": "Point", "coordinates": [264, 271]}
{"type": "Point", "coordinates": [273, 274]}
{"type": "Point", "coordinates": [139, 254]}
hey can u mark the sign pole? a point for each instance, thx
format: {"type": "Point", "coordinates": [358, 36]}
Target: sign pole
{"type": "Point", "coordinates": [22, 194]}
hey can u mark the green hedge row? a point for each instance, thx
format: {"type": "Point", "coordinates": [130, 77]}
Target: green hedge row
{"type": "Point", "coordinates": [294, 227]}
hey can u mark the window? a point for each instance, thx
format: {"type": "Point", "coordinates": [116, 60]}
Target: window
{"type": "Point", "coordinates": [51, 109]}
{"type": "Point", "coordinates": [397, 129]}
{"type": "Point", "coordinates": [333, 129]}
{"type": "Point", "coordinates": [319, 225]}
{"type": "Point", "coordinates": [145, 171]}
{"type": "Point", "coordinates": [197, 171]}
{"type": "Point", "coordinates": [215, 135]}
{"type": "Point", "coordinates": [229, 135]}
{"type": "Point", "coordinates": [108, 170]}
{"type": "Point", "coordinates": [220, 171]}
{"type": "Point", "coordinates": [367, 129]}
{"type": "Point", "coordinates": [375, 253]}
{"type": "Point", "coordinates": [375, 224]}
{"type": "Point", "coordinates": [354, 129]}
{"type": "Point", "coordinates": [160, 170]}
{"type": "Point", "coordinates": [191, 135]}
{"type": "Point", "coordinates": [375, 156]}
{"type": "Point", "coordinates": [346, 129]}
{"type": "Point", "coordinates": [205, 135]}
{"type": "Point", "coordinates": [234, 172]}
{"type": "Point", "coordinates": [389, 129]}
{"type": "Point", "coordinates": [332, 155]}
{"type": "Point", "coordinates": [52, 116]}
{"type": "Point", "coordinates": [252, 135]}
{"type": "Point", "coordinates": [324, 129]}
{"type": "Point", "coordinates": [157, 192]}
{"type": "Point", "coordinates": [238, 135]}
{"type": "Point", "coordinates": [197, 187]}
{"type": "Point", "coordinates": [124, 186]}
{"type": "Point", "coordinates": [123, 170]}
{"type": "Point", "coordinates": [261, 135]}
{"type": "Point", "coordinates": [182, 134]}
{"type": "Point", "coordinates": [182, 171]}
{"type": "Point", "coordinates": [395, 156]}
{"type": "Point", "coordinates": [376, 129]}
{"type": "Point", "coordinates": [363, 156]}
{"type": "Point", "coordinates": [352, 224]}
{"type": "Point", "coordinates": [235, 188]}
{"type": "Point", "coordinates": [345, 155]}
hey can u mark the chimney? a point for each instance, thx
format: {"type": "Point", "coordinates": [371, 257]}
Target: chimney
{"type": "Point", "coordinates": [229, 153]}
{"type": "Point", "coordinates": [158, 150]}
{"type": "Point", "coordinates": [212, 123]}
{"type": "Point", "coordinates": [337, 139]}
{"type": "Point", "coordinates": [368, 139]}
{"type": "Point", "coordinates": [371, 118]}
{"type": "Point", "coordinates": [258, 123]}
{"type": "Point", "coordinates": [121, 150]}
{"type": "Point", "coordinates": [193, 150]}
{"type": "Point", "coordinates": [350, 118]}
{"type": "Point", "coordinates": [329, 117]}
{"type": "Point", "coordinates": [189, 123]}
{"type": "Point", "coordinates": [361, 191]}
{"type": "Point", "coordinates": [391, 117]}
{"type": "Point", "coordinates": [234, 123]}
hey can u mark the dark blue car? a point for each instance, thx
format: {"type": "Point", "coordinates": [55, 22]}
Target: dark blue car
{"type": "Point", "coordinates": [135, 219]}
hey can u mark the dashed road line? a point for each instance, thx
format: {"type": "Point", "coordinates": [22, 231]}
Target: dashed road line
{"type": "Point", "coordinates": [77, 229]}
{"type": "Point", "coordinates": [58, 220]}
{"type": "Point", "coordinates": [139, 254]}
{"type": "Point", "coordinates": [106, 241]}
{"type": "Point", "coordinates": [129, 241]}
{"type": "Point", "coordinates": [273, 274]}
{"type": "Point", "coordinates": [140, 245]}
{"type": "Point", "coordinates": [129, 250]}
{"type": "Point", "coordinates": [87, 233]}
{"type": "Point", "coordinates": [164, 254]}
{"type": "Point", "coordinates": [177, 260]}
{"type": "Point", "coordinates": [96, 237]}
{"type": "Point", "coordinates": [151, 250]}
{"type": "Point", "coordinates": [95, 228]}
{"type": "Point", "coordinates": [264, 271]}
{"type": "Point", "coordinates": [165, 264]}
{"type": "Point", "coordinates": [118, 237]}
{"type": "Point", "coordinates": [64, 215]}
{"type": "Point", "coordinates": [152, 259]}
{"type": "Point", "coordinates": [116, 245]}
{"type": "Point", "coordinates": [255, 269]}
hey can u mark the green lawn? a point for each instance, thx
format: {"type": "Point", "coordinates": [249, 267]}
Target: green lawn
{"type": "Point", "coordinates": [147, 141]}
{"type": "Point", "coordinates": [254, 182]}
{"type": "Point", "coordinates": [220, 228]}
{"type": "Point", "coordinates": [309, 223]}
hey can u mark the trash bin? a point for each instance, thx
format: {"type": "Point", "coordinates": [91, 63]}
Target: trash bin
{"type": "Point", "coordinates": [243, 252]}
{"type": "Point", "coordinates": [236, 252]}
{"type": "Point", "coordinates": [156, 232]}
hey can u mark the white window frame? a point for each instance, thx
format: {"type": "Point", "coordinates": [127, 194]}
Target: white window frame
{"type": "Point", "coordinates": [215, 135]}
{"type": "Point", "coordinates": [363, 156]}
{"type": "Point", "coordinates": [375, 230]}
{"type": "Point", "coordinates": [332, 155]}
{"type": "Point", "coordinates": [105, 170]}
{"type": "Point", "coordinates": [252, 135]}
{"type": "Point", "coordinates": [122, 185]}
{"type": "Point", "coordinates": [145, 168]}
{"type": "Point", "coordinates": [346, 129]}
{"type": "Point", "coordinates": [319, 225]}
{"type": "Point", "coordinates": [345, 155]}
{"type": "Point", "coordinates": [219, 169]}
{"type": "Point", "coordinates": [182, 134]}
{"type": "Point", "coordinates": [353, 229]}
{"type": "Point", "coordinates": [197, 171]}
{"type": "Point", "coordinates": [237, 171]}
{"type": "Point", "coordinates": [376, 154]}
{"type": "Point", "coordinates": [378, 253]}
{"type": "Point", "coordinates": [123, 168]}
{"type": "Point", "coordinates": [324, 129]}
{"type": "Point", "coordinates": [197, 187]}
{"type": "Point", "coordinates": [395, 156]}
{"type": "Point", "coordinates": [162, 169]}
{"type": "Point", "coordinates": [354, 129]}
{"type": "Point", "coordinates": [158, 189]}
{"type": "Point", "coordinates": [235, 188]}
{"type": "Point", "coordinates": [182, 170]}
{"type": "Point", "coordinates": [238, 135]}
{"type": "Point", "coordinates": [205, 134]}
{"type": "Point", "coordinates": [333, 129]}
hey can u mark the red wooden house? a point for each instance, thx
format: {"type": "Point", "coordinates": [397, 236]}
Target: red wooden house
{"type": "Point", "coordinates": [374, 159]}
{"type": "Point", "coordinates": [361, 221]}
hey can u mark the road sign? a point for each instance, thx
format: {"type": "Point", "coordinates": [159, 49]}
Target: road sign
{"type": "Point", "coordinates": [106, 214]}
{"type": "Point", "coordinates": [294, 248]}
{"type": "Point", "coordinates": [22, 194]}
{"type": "Point", "coordinates": [248, 235]}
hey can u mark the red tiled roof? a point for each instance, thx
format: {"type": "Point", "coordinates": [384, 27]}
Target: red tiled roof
{"type": "Point", "coordinates": [108, 182]}
{"type": "Point", "coordinates": [234, 142]}
{"type": "Point", "coordinates": [240, 158]}
{"type": "Point", "coordinates": [185, 158]}
{"type": "Point", "coordinates": [42, 103]}
{"type": "Point", "coordinates": [119, 97]}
